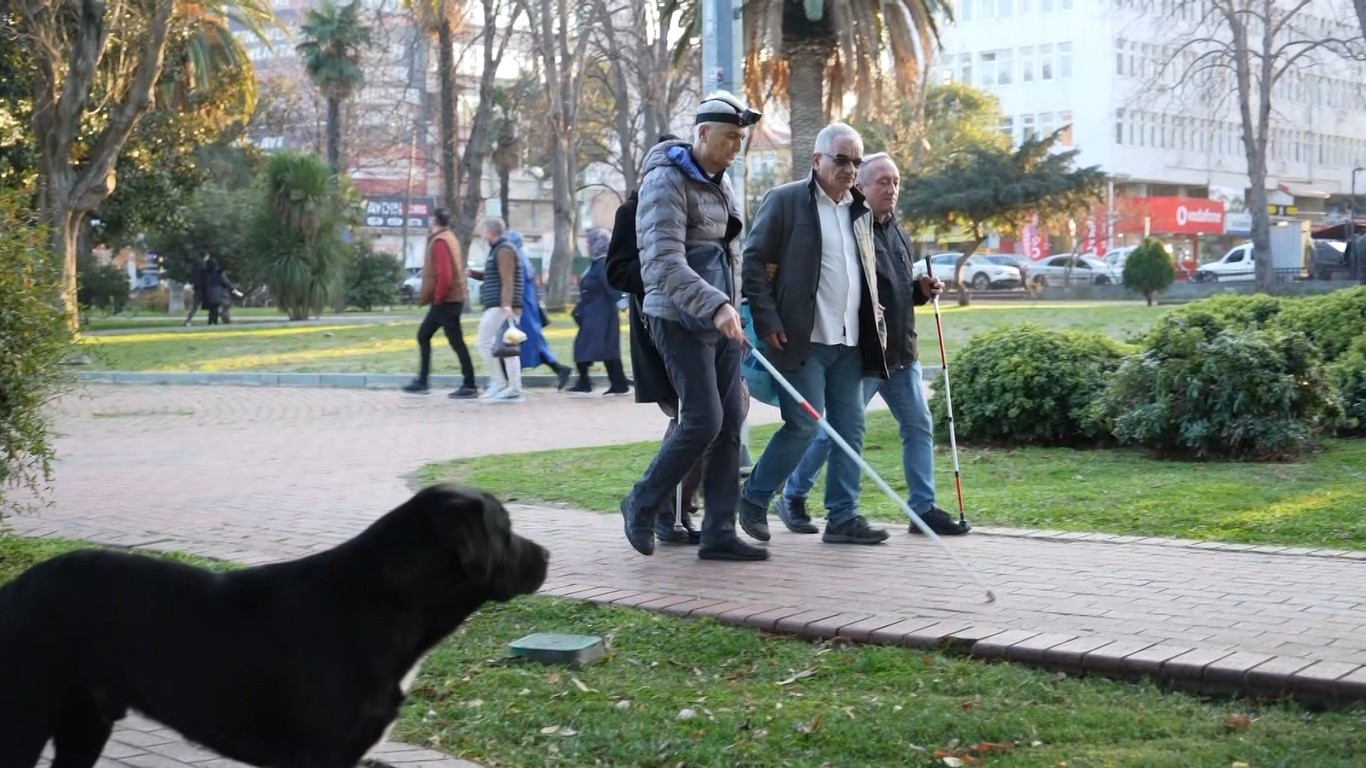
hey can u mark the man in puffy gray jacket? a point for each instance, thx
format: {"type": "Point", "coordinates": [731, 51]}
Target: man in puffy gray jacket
{"type": "Point", "coordinates": [686, 224]}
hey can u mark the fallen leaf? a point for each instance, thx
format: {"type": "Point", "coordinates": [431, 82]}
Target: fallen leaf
{"type": "Point", "coordinates": [580, 685]}
{"type": "Point", "coordinates": [969, 704]}
{"type": "Point", "coordinates": [1036, 743]}
{"type": "Point", "coordinates": [624, 704]}
{"type": "Point", "coordinates": [951, 761]}
{"type": "Point", "coordinates": [553, 678]}
{"type": "Point", "coordinates": [988, 747]}
{"type": "Point", "coordinates": [1238, 722]}
{"type": "Point", "coordinates": [524, 692]}
{"type": "Point", "coordinates": [549, 729]}
{"type": "Point", "coordinates": [686, 714]}
{"type": "Point", "coordinates": [1239, 764]}
{"type": "Point", "coordinates": [805, 673]}
{"type": "Point", "coordinates": [567, 731]}
{"type": "Point", "coordinates": [809, 727]}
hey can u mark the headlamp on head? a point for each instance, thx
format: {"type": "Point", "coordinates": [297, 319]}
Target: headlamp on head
{"type": "Point", "coordinates": [742, 116]}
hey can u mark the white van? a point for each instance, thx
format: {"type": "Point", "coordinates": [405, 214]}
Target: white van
{"type": "Point", "coordinates": [1235, 266]}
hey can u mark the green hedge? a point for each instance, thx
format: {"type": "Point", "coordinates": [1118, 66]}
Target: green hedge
{"type": "Point", "coordinates": [1029, 384]}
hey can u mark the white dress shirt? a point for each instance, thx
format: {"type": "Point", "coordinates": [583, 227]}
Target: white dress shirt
{"type": "Point", "coordinates": [838, 291]}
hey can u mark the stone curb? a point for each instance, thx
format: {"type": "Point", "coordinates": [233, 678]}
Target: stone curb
{"type": "Point", "coordinates": [1159, 541]}
{"type": "Point", "coordinates": [1211, 671]}
{"type": "Point", "coordinates": [326, 380]}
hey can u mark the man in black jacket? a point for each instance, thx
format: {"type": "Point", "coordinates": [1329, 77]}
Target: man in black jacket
{"type": "Point", "coordinates": [902, 390]}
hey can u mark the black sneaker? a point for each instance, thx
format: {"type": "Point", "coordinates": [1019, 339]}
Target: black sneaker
{"type": "Point", "coordinates": [464, 393]}
{"type": "Point", "coordinates": [562, 373]}
{"type": "Point", "coordinates": [667, 533]}
{"type": "Point", "coordinates": [753, 519]}
{"type": "Point", "coordinates": [853, 531]}
{"type": "Point", "coordinates": [731, 549]}
{"type": "Point", "coordinates": [581, 387]}
{"type": "Point", "coordinates": [617, 391]}
{"type": "Point", "coordinates": [416, 387]}
{"type": "Point", "coordinates": [642, 537]}
{"type": "Point", "coordinates": [942, 523]}
{"type": "Point", "coordinates": [793, 514]}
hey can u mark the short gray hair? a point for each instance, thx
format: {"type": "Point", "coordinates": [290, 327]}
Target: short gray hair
{"type": "Point", "coordinates": [825, 140]}
{"type": "Point", "coordinates": [716, 101]}
{"type": "Point", "coordinates": [868, 161]}
{"type": "Point", "coordinates": [496, 225]}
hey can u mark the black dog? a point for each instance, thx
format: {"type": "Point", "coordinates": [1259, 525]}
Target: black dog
{"type": "Point", "coordinates": [301, 664]}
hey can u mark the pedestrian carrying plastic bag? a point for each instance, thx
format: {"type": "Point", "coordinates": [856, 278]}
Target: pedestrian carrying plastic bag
{"type": "Point", "coordinates": [509, 342]}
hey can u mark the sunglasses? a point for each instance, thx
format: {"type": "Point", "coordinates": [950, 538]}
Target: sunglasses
{"type": "Point", "coordinates": [843, 160]}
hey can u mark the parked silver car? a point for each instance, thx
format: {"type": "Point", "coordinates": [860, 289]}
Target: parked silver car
{"type": "Point", "coordinates": [978, 272]}
{"type": "Point", "coordinates": [1072, 270]}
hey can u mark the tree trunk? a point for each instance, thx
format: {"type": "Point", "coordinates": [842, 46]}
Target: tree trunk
{"type": "Point", "coordinates": [505, 194]}
{"type": "Point", "coordinates": [1361, 15]}
{"type": "Point", "coordinates": [806, 98]}
{"type": "Point", "coordinates": [965, 298]}
{"type": "Point", "coordinates": [566, 226]}
{"type": "Point", "coordinates": [1255, 139]}
{"type": "Point", "coordinates": [477, 148]}
{"type": "Point", "coordinates": [66, 226]}
{"type": "Point", "coordinates": [334, 134]}
{"type": "Point", "coordinates": [445, 56]}
{"type": "Point", "coordinates": [1149, 296]}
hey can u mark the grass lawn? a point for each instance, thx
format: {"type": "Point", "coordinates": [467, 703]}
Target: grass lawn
{"type": "Point", "coordinates": [1314, 503]}
{"type": "Point", "coordinates": [388, 347]}
{"type": "Point", "coordinates": [674, 692]}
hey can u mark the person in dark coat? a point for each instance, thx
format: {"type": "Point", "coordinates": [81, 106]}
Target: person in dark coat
{"type": "Point", "coordinates": [199, 283]}
{"type": "Point", "coordinates": [599, 319]}
{"type": "Point", "coordinates": [217, 289]}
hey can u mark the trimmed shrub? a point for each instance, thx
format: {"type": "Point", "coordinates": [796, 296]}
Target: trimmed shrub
{"type": "Point", "coordinates": [1259, 395]}
{"type": "Point", "coordinates": [372, 277]}
{"type": "Point", "coordinates": [1149, 269]}
{"type": "Point", "coordinates": [1348, 375]}
{"type": "Point", "coordinates": [1026, 384]}
{"type": "Point", "coordinates": [1230, 312]}
{"type": "Point", "coordinates": [33, 342]}
{"type": "Point", "coordinates": [1333, 321]}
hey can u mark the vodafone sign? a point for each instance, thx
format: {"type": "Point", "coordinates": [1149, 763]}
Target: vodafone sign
{"type": "Point", "coordinates": [1170, 216]}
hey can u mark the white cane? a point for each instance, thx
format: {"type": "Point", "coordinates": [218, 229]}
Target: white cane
{"type": "Point", "coordinates": [868, 470]}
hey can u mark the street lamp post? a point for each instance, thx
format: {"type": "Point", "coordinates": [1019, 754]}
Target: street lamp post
{"type": "Point", "coordinates": [1351, 231]}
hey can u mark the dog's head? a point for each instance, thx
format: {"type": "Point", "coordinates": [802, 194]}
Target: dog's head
{"type": "Point", "coordinates": [451, 545]}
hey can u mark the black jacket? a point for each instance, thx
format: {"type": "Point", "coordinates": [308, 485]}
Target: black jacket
{"type": "Point", "coordinates": [898, 290]}
{"type": "Point", "coordinates": [652, 383]}
{"type": "Point", "coordinates": [781, 270]}
{"type": "Point", "coordinates": [623, 257]}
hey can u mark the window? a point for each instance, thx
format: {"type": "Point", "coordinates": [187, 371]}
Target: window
{"type": "Point", "coordinates": [1027, 64]}
{"type": "Point", "coordinates": [1065, 121]}
{"type": "Point", "coordinates": [1004, 8]}
{"type": "Point", "coordinates": [965, 68]}
{"type": "Point", "coordinates": [1045, 6]}
{"type": "Point", "coordinates": [1026, 7]}
{"type": "Point", "coordinates": [1119, 56]}
{"type": "Point", "coordinates": [1045, 62]}
{"type": "Point", "coordinates": [987, 65]}
{"type": "Point", "coordinates": [1027, 128]}
{"type": "Point", "coordinates": [1065, 5]}
{"type": "Point", "coordinates": [1008, 127]}
{"type": "Point", "coordinates": [1064, 60]}
{"type": "Point", "coordinates": [1119, 126]}
{"type": "Point", "coordinates": [988, 10]}
{"type": "Point", "coordinates": [1046, 124]}
{"type": "Point", "coordinates": [1005, 63]}
{"type": "Point", "coordinates": [965, 10]}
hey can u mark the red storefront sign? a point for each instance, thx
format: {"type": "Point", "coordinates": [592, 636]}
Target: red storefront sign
{"type": "Point", "coordinates": [1170, 216]}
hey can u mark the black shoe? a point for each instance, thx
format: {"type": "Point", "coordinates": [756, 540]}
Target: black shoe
{"type": "Point", "coordinates": [941, 523]}
{"type": "Point", "coordinates": [582, 386]}
{"type": "Point", "coordinates": [853, 531]}
{"type": "Point", "coordinates": [731, 549]}
{"type": "Point", "coordinates": [642, 537]}
{"type": "Point", "coordinates": [622, 390]}
{"type": "Point", "coordinates": [416, 387]}
{"type": "Point", "coordinates": [562, 372]}
{"type": "Point", "coordinates": [793, 514]}
{"type": "Point", "coordinates": [753, 519]}
{"type": "Point", "coordinates": [667, 533]}
{"type": "Point", "coordinates": [464, 393]}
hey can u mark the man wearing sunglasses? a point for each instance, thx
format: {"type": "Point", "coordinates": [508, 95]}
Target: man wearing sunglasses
{"type": "Point", "coordinates": [810, 274]}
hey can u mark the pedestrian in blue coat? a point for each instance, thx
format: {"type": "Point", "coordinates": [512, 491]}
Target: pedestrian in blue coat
{"type": "Point", "coordinates": [535, 350]}
{"type": "Point", "coordinates": [599, 319]}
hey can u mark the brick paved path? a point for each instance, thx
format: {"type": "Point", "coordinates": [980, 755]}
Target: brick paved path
{"type": "Point", "coordinates": [259, 474]}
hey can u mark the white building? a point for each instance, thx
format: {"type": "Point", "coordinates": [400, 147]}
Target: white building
{"type": "Point", "coordinates": [1098, 66]}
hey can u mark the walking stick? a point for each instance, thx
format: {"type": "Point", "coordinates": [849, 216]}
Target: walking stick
{"type": "Point", "coordinates": [948, 398]}
{"type": "Point", "coordinates": [868, 470]}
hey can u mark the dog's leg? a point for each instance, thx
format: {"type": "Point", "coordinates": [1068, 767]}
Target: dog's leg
{"type": "Point", "coordinates": [21, 743]}
{"type": "Point", "coordinates": [81, 734]}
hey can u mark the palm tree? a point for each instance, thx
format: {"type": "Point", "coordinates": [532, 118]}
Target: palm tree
{"type": "Point", "coordinates": [799, 46]}
{"type": "Point", "coordinates": [211, 49]}
{"type": "Point", "coordinates": [298, 222]}
{"type": "Point", "coordinates": [333, 38]}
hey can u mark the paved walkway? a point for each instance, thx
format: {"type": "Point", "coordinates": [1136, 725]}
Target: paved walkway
{"type": "Point", "coordinates": [260, 474]}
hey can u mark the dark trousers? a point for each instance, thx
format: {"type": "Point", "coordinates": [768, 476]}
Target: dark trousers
{"type": "Point", "coordinates": [213, 313]}
{"type": "Point", "coordinates": [447, 318]}
{"type": "Point", "coordinates": [616, 373]}
{"type": "Point", "coordinates": [195, 304]}
{"type": "Point", "coordinates": [704, 369]}
{"type": "Point", "coordinates": [692, 482]}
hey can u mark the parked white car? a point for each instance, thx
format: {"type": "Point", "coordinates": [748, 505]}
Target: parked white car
{"type": "Point", "coordinates": [978, 272]}
{"type": "Point", "coordinates": [1072, 270]}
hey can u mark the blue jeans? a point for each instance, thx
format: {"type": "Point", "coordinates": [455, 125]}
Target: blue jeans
{"type": "Point", "coordinates": [906, 399]}
{"type": "Point", "coordinates": [832, 382]}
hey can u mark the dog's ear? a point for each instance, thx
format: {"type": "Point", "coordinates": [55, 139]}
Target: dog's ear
{"type": "Point", "coordinates": [479, 540]}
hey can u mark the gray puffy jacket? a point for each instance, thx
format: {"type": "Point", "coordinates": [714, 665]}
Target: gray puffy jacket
{"type": "Point", "coordinates": [680, 208]}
